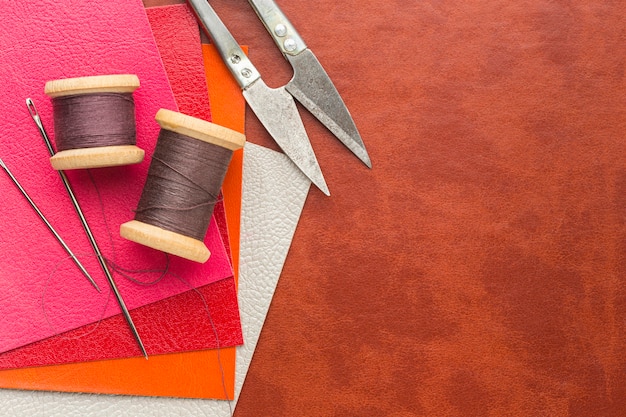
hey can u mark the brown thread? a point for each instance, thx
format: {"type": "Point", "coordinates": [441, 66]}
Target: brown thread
{"type": "Point", "coordinates": [94, 120]}
{"type": "Point", "coordinates": [89, 328]}
{"type": "Point", "coordinates": [183, 184]}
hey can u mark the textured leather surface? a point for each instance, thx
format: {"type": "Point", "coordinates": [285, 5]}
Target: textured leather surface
{"type": "Point", "coordinates": [478, 269]}
{"type": "Point", "coordinates": [271, 180]}
{"type": "Point", "coordinates": [176, 324]}
{"type": "Point", "coordinates": [190, 374]}
{"type": "Point", "coordinates": [39, 43]}
{"type": "Point", "coordinates": [274, 192]}
{"type": "Point", "coordinates": [177, 36]}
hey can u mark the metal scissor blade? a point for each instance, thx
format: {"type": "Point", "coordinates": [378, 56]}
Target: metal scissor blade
{"type": "Point", "coordinates": [312, 87]}
{"type": "Point", "coordinates": [277, 111]}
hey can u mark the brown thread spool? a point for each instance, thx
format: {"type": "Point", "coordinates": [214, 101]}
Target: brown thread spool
{"type": "Point", "coordinates": [106, 137]}
{"type": "Point", "coordinates": [182, 192]}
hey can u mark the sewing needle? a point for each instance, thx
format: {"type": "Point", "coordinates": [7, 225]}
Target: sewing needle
{"type": "Point", "coordinates": [47, 223]}
{"type": "Point", "coordinates": [92, 240]}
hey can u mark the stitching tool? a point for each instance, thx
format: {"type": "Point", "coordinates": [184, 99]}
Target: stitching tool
{"type": "Point", "coordinates": [47, 223]}
{"type": "Point", "coordinates": [274, 107]}
{"type": "Point", "coordinates": [35, 116]}
{"type": "Point", "coordinates": [310, 84]}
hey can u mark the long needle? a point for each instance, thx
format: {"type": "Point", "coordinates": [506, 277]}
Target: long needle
{"type": "Point", "coordinates": [35, 115]}
{"type": "Point", "coordinates": [47, 223]}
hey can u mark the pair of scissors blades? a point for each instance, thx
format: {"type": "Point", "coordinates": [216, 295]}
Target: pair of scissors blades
{"type": "Point", "coordinates": [310, 84]}
{"type": "Point", "coordinates": [275, 107]}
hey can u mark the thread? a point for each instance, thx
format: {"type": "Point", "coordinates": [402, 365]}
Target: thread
{"type": "Point", "coordinates": [183, 184]}
{"type": "Point", "coordinates": [125, 272]}
{"type": "Point", "coordinates": [94, 120]}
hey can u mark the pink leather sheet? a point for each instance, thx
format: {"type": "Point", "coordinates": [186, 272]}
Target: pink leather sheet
{"type": "Point", "coordinates": [43, 293]}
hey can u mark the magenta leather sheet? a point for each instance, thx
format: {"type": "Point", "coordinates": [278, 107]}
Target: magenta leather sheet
{"type": "Point", "coordinates": [43, 293]}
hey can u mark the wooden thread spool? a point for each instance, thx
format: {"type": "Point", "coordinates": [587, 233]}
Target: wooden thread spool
{"type": "Point", "coordinates": [177, 128]}
{"type": "Point", "coordinates": [76, 93]}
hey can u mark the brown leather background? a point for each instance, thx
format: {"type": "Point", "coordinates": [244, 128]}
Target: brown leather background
{"type": "Point", "coordinates": [478, 269]}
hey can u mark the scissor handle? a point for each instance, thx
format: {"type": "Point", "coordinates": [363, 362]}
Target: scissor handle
{"type": "Point", "coordinates": [233, 56]}
{"type": "Point", "coordinates": [279, 27]}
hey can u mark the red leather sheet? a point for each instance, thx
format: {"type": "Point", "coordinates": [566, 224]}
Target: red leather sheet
{"type": "Point", "coordinates": [178, 323]}
{"type": "Point", "coordinates": [479, 268]}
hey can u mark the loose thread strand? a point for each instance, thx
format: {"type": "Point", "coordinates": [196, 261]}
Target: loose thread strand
{"type": "Point", "coordinates": [47, 318]}
{"type": "Point", "coordinates": [124, 272]}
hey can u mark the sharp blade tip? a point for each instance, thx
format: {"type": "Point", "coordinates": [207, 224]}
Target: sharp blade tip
{"type": "Point", "coordinates": [367, 161]}
{"type": "Point", "coordinates": [319, 182]}
{"type": "Point", "coordinates": [323, 188]}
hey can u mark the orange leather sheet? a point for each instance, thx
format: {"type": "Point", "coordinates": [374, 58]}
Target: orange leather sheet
{"type": "Point", "coordinates": [191, 374]}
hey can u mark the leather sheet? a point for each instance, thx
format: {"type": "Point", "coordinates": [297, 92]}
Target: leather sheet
{"type": "Point", "coordinates": [165, 325]}
{"type": "Point", "coordinates": [44, 294]}
{"type": "Point", "coordinates": [478, 268]}
{"type": "Point", "coordinates": [271, 217]}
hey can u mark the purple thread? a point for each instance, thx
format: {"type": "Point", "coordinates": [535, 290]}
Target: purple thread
{"type": "Point", "coordinates": [94, 120]}
{"type": "Point", "coordinates": [183, 184]}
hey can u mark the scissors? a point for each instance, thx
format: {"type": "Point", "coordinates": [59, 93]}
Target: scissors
{"type": "Point", "coordinates": [275, 107]}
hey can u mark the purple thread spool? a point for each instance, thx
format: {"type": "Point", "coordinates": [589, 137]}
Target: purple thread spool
{"type": "Point", "coordinates": [94, 121]}
{"type": "Point", "coordinates": [198, 167]}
